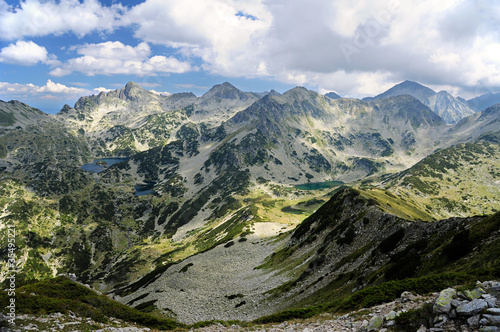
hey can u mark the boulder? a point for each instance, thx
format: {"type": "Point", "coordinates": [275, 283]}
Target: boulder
{"type": "Point", "coordinates": [473, 321]}
{"type": "Point", "coordinates": [491, 301]}
{"type": "Point", "coordinates": [391, 315]}
{"type": "Point", "coordinates": [407, 297]}
{"type": "Point", "coordinates": [473, 294]}
{"type": "Point", "coordinates": [493, 311]}
{"type": "Point", "coordinates": [443, 302]}
{"type": "Point", "coordinates": [472, 308]}
{"type": "Point", "coordinates": [375, 323]}
{"type": "Point", "coordinates": [489, 329]}
{"type": "Point", "coordinates": [494, 320]}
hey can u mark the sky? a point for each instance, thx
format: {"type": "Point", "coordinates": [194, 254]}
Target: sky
{"type": "Point", "coordinates": [54, 51]}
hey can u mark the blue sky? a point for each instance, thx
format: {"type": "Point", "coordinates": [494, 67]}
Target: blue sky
{"type": "Point", "coordinates": [52, 52]}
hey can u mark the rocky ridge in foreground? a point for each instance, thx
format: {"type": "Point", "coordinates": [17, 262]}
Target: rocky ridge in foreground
{"type": "Point", "coordinates": [451, 309]}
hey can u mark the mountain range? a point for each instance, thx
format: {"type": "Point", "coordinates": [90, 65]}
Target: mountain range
{"type": "Point", "coordinates": [262, 201]}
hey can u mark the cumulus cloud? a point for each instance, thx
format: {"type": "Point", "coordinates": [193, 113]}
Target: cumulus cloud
{"type": "Point", "coordinates": [353, 47]}
{"type": "Point", "coordinates": [24, 53]}
{"type": "Point", "coordinates": [16, 90]}
{"type": "Point", "coordinates": [165, 93]}
{"type": "Point", "coordinates": [112, 58]}
{"type": "Point", "coordinates": [41, 18]}
{"type": "Point", "coordinates": [220, 32]}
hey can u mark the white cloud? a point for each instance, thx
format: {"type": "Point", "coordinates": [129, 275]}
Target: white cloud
{"type": "Point", "coordinates": [16, 90]}
{"type": "Point", "coordinates": [24, 53]}
{"type": "Point", "coordinates": [222, 32]}
{"type": "Point", "coordinates": [41, 18]}
{"type": "Point", "coordinates": [354, 47]}
{"type": "Point", "coordinates": [112, 58]}
{"type": "Point", "coordinates": [101, 89]}
{"type": "Point", "coordinates": [114, 50]}
{"type": "Point", "coordinates": [165, 93]}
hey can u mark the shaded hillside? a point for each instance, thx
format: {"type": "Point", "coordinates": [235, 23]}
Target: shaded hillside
{"type": "Point", "coordinates": [61, 295]}
{"type": "Point", "coordinates": [462, 180]}
{"type": "Point", "coordinates": [350, 244]}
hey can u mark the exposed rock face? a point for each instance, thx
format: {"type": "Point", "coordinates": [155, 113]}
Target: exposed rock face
{"type": "Point", "coordinates": [449, 108]}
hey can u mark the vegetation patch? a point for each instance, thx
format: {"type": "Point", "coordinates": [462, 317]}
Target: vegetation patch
{"type": "Point", "coordinates": [62, 295]}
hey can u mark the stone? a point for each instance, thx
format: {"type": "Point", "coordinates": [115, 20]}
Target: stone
{"type": "Point", "coordinates": [494, 320]}
{"type": "Point", "coordinates": [440, 320]}
{"type": "Point", "coordinates": [489, 329]}
{"type": "Point", "coordinates": [493, 311]}
{"type": "Point", "coordinates": [391, 315]}
{"type": "Point", "coordinates": [31, 326]}
{"type": "Point", "coordinates": [443, 302]}
{"type": "Point", "coordinates": [390, 323]}
{"type": "Point", "coordinates": [471, 308]}
{"type": "Point", "coordinates": [492, 301]}
{"type": "Point", "coordinates": [483, 321]}
{"type": "Point", "coordinates": [407, 297]}
{"type": "Point", "coordinates": [456, 302]}
{"type": "Point", "coordinates": [473, 321]}
{"type": "Point", "coordinates": [422, 329]}
{"type": "Point", "coordinates": [375, 323]}
{"type": "Point", "coordinates": [453, 314]}
{"type": "Point", "coordinates": [474, 294]}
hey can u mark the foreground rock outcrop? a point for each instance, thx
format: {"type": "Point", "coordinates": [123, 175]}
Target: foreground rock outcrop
{"type": "Point", "coordinates": [449, 310]}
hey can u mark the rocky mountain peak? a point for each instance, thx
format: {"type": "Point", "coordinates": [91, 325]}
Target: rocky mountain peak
{"type": "Point", "coordinates": [449, 108]}
{"type": "Point", "coordinates": [225, 91]}
{"type": "Point", "coordinates": [299, 93]}
{"type": "Point", "coordinates": [411, 88]}
{"type": "Point", "coordinates": [65, 110]}
{"type": "Point", "coordinates": [274, 93]}
{"type": "Point", "coordinates": [332, 95]}
{"type": "Point", "coordinates": [484, 101]}
{"type": "Point", "coordinates": [132, 91]}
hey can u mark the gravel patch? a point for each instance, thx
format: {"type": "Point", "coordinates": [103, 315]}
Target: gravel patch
{"type": "Point", "coordinates": [220, 284]}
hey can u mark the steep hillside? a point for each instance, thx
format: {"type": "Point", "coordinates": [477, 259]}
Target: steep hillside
{"type": "Point", "coordinates": [484, 101]}
{"type": "Point", "coordinates": [462, 180]}
{"type": "Point", "coordinates": [350, 244]}
{"type": "Point", "coordinates": [16, 114]}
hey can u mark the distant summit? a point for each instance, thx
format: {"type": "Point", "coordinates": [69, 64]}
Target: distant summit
{"type": "Point", "coordinates": [449, 108]}
{"type": "Point", "coordinates": [484, 101]}
{"type": "Point", "coordinates": [332, 95]}
{"type": "Point", "coordinates": [411, 88]}
{"type": "Point", "coordinates": [225, 91]}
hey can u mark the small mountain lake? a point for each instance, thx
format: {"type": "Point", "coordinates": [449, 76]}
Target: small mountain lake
{"type": "Point", "coordinates": [100, 165]}
{"type": "Point", "coordinates": [318, 185]}
{"type": "Point", "coordinates": [145, 188]}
